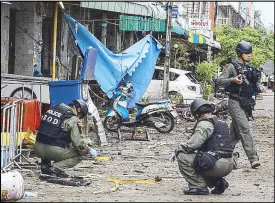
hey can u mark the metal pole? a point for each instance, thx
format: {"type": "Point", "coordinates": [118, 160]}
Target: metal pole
{"type": "Point", "coordinates": [176, 59]}
{"type": "Point", "coordinates": [209, 51]}
{"type": "Point", "coordinates": [54, 38]}
{"type": "Point", "coordinates": [165, 90]}
{"type": "Point", "coordinates": [104, 29]}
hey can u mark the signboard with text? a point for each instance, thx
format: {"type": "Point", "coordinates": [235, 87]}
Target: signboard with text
{"type": "Point", "coordinates": [199, 24]}
{"type": "Point", "coordinates": [175, 11]}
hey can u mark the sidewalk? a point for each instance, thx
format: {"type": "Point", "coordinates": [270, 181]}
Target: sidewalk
{"type": "Point", "coordinates": [268, 92]}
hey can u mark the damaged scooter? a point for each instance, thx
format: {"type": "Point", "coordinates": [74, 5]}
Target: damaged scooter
{"type": "Point", "coordinates": [158, 114]}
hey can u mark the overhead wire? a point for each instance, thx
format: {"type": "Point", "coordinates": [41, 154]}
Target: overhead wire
{"type": "Point", "coordinates": [45, 49]}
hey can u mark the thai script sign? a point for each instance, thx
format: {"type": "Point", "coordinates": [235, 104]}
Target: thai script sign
{"type": "Point", "coordinates": [175, 11]}
{"type": "Point", "coordinates": [199, 24]}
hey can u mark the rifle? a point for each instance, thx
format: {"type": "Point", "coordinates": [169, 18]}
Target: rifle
{"type": "Point", "coordinates": [250, 76]}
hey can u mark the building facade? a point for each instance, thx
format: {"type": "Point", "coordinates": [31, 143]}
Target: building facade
{"type": "Point", "coordinates": [27, 32]}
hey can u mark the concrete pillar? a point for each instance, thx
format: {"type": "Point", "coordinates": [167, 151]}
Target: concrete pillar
{"type": "Point", "coordinates": [37, 34]}
{"type": "Point", "coordinates": [27, 52]}
{"type": "Point", "coordinates": [93, 28]}
{"type": "Point", "coordinates": [64, 57]}
{"type": "Point", "coordinates": [104, 29]}
{"type": "Point", "coordinates": [131, 39]}
{"type": "Point", "coordinates": [5, 11]}
{"type": "Point", "coordinates": [118, 41]}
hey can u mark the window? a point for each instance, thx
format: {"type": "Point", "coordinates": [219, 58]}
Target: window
{"type": "Point", "coordinates": [191, 78]}
{"type": "Point", "coordinates": [158, 75]}
{"type": "Point", "coordinates": [161, 75]}
{"type": "Point", "coordinates": [155, 76]}
{"type": "Point", "coordinates": [173, 76]}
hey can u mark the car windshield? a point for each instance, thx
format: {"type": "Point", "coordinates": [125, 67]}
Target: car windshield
{"type": "Point", "coordinates": [191, 78]}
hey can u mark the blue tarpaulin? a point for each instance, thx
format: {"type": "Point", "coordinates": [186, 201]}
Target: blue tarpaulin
{"type": "Point", "coordinates": [137, 63]}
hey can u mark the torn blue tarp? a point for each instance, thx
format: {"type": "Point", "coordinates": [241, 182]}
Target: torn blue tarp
{"type": "Point", "coordinates": [137, 63]}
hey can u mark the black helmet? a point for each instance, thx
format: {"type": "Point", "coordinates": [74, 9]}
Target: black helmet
{"type": "Point", "coordinates": [83, 107]}
{"type": "Point", "coordinates": [243, 47]}
{"type": "Point", "coordinates": [196, 104]}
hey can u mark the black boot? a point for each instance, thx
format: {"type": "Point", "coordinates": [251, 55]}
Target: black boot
{"type": "Point", "coordinates": [220, 187]}
{"type": "Point", "coordinates": [59, 172]}
{"type": "Point", "coordinates": [45, 167]}
{"type": "Point", "coordinates": [48, 169]}
{"type": "Point", "coordinates": [196, 191]}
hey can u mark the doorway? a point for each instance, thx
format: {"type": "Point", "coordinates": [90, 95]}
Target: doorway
{"type": "Point", "coordinates": [47, 34]}
{"type": "Point", "coordinates": [12, 30]}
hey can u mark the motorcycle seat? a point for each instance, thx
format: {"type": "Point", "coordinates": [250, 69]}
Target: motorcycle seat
{"type": "Point", "coordinates": [143, 104]}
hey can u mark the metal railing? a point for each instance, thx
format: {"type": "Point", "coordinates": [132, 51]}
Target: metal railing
{"type": "Point", "coordinates": [223, 21]}
{"type": "Point", "coordinates": [11, 135]}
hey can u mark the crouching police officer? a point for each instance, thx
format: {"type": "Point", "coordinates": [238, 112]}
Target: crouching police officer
{"type": "Point", "coordinates": [207, 156]}
{"type": "Point", "coordinates": [242, 82]}
{"type": "Point", "coordinates": [60, 138]}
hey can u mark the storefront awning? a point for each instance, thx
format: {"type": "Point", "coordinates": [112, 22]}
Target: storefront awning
{"type": "Point", "coordinates": [132, 8]}
{"type": "Point", "coordinates": [192, 37]}
{"type": "Point", "coordinates": [138, 23]}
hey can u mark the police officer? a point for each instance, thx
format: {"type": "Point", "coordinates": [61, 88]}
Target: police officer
{"type": "Point", "coordinates": [238, 79]}
{"type": "Point", "coordinates": [207, 156]}
{"type": "Point", "coordinates": [60, 138]}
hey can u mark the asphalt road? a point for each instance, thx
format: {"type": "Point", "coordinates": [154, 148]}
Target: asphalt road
{"type": "Point", "coordinates": [149, 160]}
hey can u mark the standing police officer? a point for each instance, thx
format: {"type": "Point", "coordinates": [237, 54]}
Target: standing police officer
{"type": "Point", "coordinates": [207, 156]}
{"type": "Point", "coordinates": [60, 138]}
{"type": "Point", "coordinates": [240, 80]}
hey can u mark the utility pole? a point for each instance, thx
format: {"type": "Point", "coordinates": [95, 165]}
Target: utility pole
{"type": "Point", "coordinates": [213, 16]}
{"type": "Point", "coordinates": [165, 90]}
{"type": "Point", "coordinates": [54, 39]}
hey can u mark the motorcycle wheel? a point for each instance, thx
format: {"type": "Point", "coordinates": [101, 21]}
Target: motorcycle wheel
{"type": "Point", "coordinates": [112, 123]}
{"type": "Point", "coordinates": [220, 95]}
{"type": "Point", "coordinates": [188, 116]}
{"type": "Point", "coordinates": [169, 123]}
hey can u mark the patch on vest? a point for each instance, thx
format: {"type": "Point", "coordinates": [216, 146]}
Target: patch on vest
{"type": "Point", "coordinates": [51, 119]}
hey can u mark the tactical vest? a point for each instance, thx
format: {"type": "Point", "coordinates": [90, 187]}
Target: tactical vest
{"type": "Point", "coordinates": [248, 87]}
{"type": "Point", "coordinates": [50, 131]}
{"type": "Point", "coordinates": [220, 139]}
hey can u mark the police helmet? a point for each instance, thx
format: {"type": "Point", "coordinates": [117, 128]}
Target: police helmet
{"type": "Point", "coordinates": [83, 107]}
{"type": "Point", "coordinates": [196, 107]}
{"type": "Point", "coordinates": [243, 47]}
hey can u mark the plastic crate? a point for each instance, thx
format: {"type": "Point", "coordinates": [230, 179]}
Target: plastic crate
{"type": "Point", "coordinates": [64, 91]}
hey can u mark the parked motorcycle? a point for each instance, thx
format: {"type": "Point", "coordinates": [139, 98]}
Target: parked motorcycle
{"type": "Point", "coordinates": [221, 93]}
{"type": "Point", "coordinates": [221, 109]}
{"type": "Point", "coordinates": [157, 114]}
{"type": "Point", "coordinates": [184, 112]}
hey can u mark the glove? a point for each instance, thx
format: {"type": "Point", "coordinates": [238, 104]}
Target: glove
{"type": "Point", "coordinates": [173, 157]}
{"type": "Point", "coordinates": [93, 152]}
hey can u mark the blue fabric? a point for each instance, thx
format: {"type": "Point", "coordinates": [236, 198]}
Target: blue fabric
{"type": "Point", "coordinates": [137, 63]}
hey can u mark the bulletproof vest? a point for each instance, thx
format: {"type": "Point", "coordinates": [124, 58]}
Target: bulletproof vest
{"type": "Point", "coordinates": [220, 139]}
{"type": "Point", "coordinates": [50, 131]}
{"type": "Point", "coordinates": [248, 87]}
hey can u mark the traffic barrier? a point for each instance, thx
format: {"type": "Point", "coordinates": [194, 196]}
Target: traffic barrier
{"type": "Point", "coordinates": [9, 138]}
{"type": "Point", "coordinates": [31, 113]}
{"type": "Point", "coordinates": [12, 118]}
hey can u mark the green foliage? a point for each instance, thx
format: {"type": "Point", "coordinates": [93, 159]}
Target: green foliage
{"type": "Point", "coordinates": [182, 53]}
{"type": "Point", "coordinates": [262, 44]}
{"type": "Point", "coordinates": [205, 72]}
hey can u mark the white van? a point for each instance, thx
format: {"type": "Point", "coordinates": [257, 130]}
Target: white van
{"type": "Point", "coordinates": [20, 86]}
{"type": "Point", "coordinates": [181, 83]}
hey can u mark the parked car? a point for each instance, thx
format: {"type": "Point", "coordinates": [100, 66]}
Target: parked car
{"type": "Point", "coordinates": [181, 83]}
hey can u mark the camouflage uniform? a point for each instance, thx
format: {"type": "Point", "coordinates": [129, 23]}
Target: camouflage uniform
{"type": "Point", "coordinates": [239, 127]}
{"type": "Point", "coordinates": [186, 155]}
{"type": "Point", "coordinates": [73, 154]}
